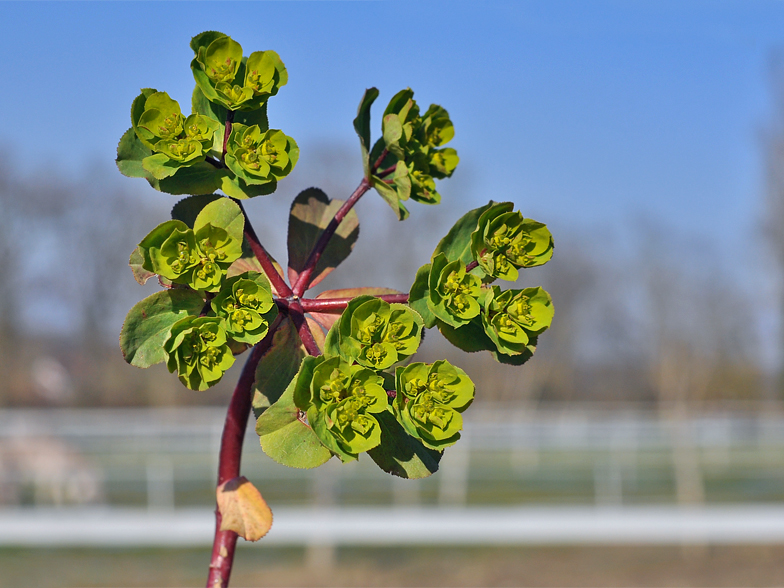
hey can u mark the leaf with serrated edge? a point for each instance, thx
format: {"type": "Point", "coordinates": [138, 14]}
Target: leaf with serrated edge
{"type": "Point", "coordinates": [310, 214]}
{"type": "Point", "coordinates": [148, 324]}
{"type": "Point", "coordinates": [400, 454]}
{"type": "Point", "coordinates": [243, 510]}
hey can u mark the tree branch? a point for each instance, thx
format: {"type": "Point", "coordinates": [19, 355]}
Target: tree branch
{"type": "Point", "coordinates": [231, 455]}
{"type": "Point", "coordinates": [338, 305]}
{"type": "Point", "coordinates": [264, 258]}
{"type": "Point", "coordinates": [303, 281]}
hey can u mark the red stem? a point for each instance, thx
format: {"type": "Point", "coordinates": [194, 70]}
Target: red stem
{"type": "Point", "coordinates": [471, 265]}
{"type": "Point", "coordinates": [297, 314]}
{"type": "Point", "coordinates": [386, 172]}
{"type": "Point", "coordinates": [226, 133]}
{"type": "Point", "coordinates": [264, 258]}
{"type": "Point", "coordinates": [338, 305]}
{"type": "Point", "coordinates": [230, 457]}
{"type": "Point", "coordinates": [303, 281]}
{"type": "Point", "coordinates": [380, 159]}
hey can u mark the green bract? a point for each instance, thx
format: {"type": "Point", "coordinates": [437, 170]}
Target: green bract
{"type": "Point", "coordinates": [245, 303]}
{"type": "Point", "coordinates": [229, 79]}
{"type": "Point", "coordinates": [505, 241]}
{"type": "Point", "coordinates": [197, 350]}
{"type": "Point", "coordinates": [512, 317]}
{"type": "Point", "coordinates": [340, 400]}
{"type": "Point", "coordinates": [375, 333]}
{"type": "Point", "coordinates": [453, 294]}
{"type": "Point", "coordinates": [430, 399]}
{"type": "Point", "coordinates": [260, 157]}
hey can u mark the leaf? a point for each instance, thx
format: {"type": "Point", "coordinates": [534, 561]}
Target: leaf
{"type": "Point", "coordinates": [327, 319]}
{"type": "Point", "coordinates": [457, 242]}
{"type": "Point", "coordinates": [285, 438]}
{"type": "Point", "coordinates": [225, 214]}
{"type": "Point", "coordinates": [469, 338]}
{"type": "Point", "coordinates": [199, 178]}
{"type": "Point", "coordinates": [140, 274]}
{"type": "Point", "coordinates": [389, 194]}
{"type": "Point", "coordinates": [148, 324]}
{"type": "Point", "coordinates": [243, 510]}
{"type": "Point", "coordinates": [238, 188]}
{"type": "Point", "coordinates": [362, 126]}
{"type": "Point", "coordinates": [187, 209]}
{"type": "Point", "coordinates": [130, 153]}
{"type": "Point", "coordinates": [310, 214]}
{"type": "Point", "coordinates": [400, 454]}
{"type": "Point", "coordinates": [277, 367]}
{"type": "Point", "coordinates": [420, 291]}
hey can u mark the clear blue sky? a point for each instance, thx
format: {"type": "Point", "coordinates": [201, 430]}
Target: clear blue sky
{"type": "Point", "coordinates": [581, 112]}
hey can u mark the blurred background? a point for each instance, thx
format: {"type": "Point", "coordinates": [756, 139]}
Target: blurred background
{"type": "Point", "coordinates": [642, 445]}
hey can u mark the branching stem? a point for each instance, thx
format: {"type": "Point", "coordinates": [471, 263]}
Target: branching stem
{"type": "Point", "coordinates": [338, 305]}
{"type": "Point", "coordinates": [297, 314]}
{"type": "Point", "coordinates": [303, 281]}
{"type": "Point", "coordinates": [264, 258]}
{"type": "Point", "coordinates": [231, 455]}
{"type": "Point", "coordinates": [226, 133]}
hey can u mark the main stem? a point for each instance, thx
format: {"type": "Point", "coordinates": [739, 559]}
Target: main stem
{"type": "Point", "coordinates": [230, 456]}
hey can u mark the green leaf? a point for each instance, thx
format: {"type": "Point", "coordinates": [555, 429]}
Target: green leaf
{"type": "Point", "coordinates": [225, 214]}
{"type": "Point", "coordinates": [187, 209]}
{"type": "Point", "coordinates": [148, 324]}
{"type": "Point", "coordinates": [362, 126]}
{"type": "Point", "coordinates": [470, 337]}
{"type": "Point", "coordinates": [457, 242]}
{"type": "Point", "coordinates": [136, 262]}
{"type": "Point", "coordinates": [389, 194]}
{"type": "Point", "coordinates": [417, 297]}
{"type": "Point", "coordinates": [200, 178]}
{"type": "Point", "coordinates": [393, 132]}
{"type": "Point", "coordinates": [130, 154]}
{"type": "Point", "coordinates": [240, 189]}
{"type": "Point", "coordinates": [310, 214]}
{"type": "Point", "coordinates": [286, 439]}
{"type": "Point", "coordinates": [400, 454]}
{"type": "Point", "coordinates": [277, 367]}
{"type": "Point", "coordinates": [161, 166]}
{"type": "Point", "coordinates": [253, 117]}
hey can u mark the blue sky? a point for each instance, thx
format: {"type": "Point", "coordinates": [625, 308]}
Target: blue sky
{"type": "Point", "coordinates": [585, 114]}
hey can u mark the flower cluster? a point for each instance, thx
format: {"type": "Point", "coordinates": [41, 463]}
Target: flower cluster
{"type": "Point", "coordinates": [430, 399]}
{"type": "Point", "coordinates": [345, 390]}
{"type": "Point", "coordinates": [174, 140]}
{"type": "Point", "coordinates": [260, 157]}
{"type": "Point", "coordinates": [226, 143]}
{"type": "Point", "coordinates": [236, 311]}
{"type": "Point", "coordinates": [418, 140]}
{"type": "Point", "coordinates": [495, 242]}
{"type": "Point", "coordinates": [227, 78]}
{"type": "Point", "coordinates": [504, 241]}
